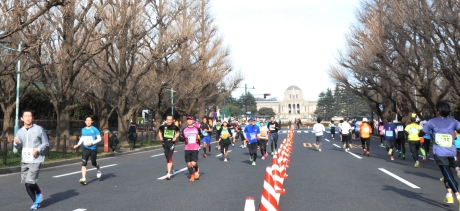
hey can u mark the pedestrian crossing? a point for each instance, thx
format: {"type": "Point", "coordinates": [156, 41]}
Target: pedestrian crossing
{"type": "Point", "coordinates": [304, 131]}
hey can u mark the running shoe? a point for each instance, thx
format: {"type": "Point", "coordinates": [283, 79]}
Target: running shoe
{"type": "Point", "coordinates": [250, 158]}
{"type": "Point", "coordinates": [392, 158]}
{"type": "Point", "coordinates": [351, 146]}
{"type": "Point", "coordinates": [416, 164]}
{"type": "Point", "coordinates": [458, 172]}
{"type": "Point", "coordinates": [263, 158]}
{"type": "Point", "coordinates": [344, 146]}
{"type": "Point", "coordinates": [390, 152]}
{"type": "Point", "coordinates": [276, 152]}
{"type": "Point", "coordinates": [39, 197]}
{"type": "Point", "coordinates": [364, 152]}
{"type": "Point", "coordinates": [404, 157]}
{"type": "Point", "coordinates": [441, 179]}
{"type": "Point", "coordinates": [83, 181]}
{"type": "Point", "coordinates": [98, 175]}
{"type": "Point", "coordinates": [192, 178]}
{"type": "Point", "coordinates": [233, 145]}
{"type": "Point", "coordinates": [381, 144]}
{"type": "Point", "coordinates": [168, 176]}
{"type": "Point", "coordinates": [253, 163]}
{"type": "Point", "coordinates": [197, 174]}
{"type": "Point", "coordinates": [399, 154]}
{"type": "Point", "coordinates": [273, 153]}
{"type": "Point", "coordinates": [319, 149]}
{"type": "Point", "coordinates": [218, 148]}
{"type": "Point", "coordinates": [368, 154]}
{"type": "Point", "coordinates": [244, 146]}
{"type": "Point", "coordinates": [225, 160]}
{"type": "Point", "coordinates": [424, 159]}
{"type": "Point", "coordinates": [34, 206]}
{"type": "Point", "coordinates": [204, 155]}
{"type": "Point", "coordinates": [449, 199]}
{"type": "Point", "coordinates": [266, 154]}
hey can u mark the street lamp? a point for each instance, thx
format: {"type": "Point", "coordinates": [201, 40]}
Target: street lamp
{"type": "Point", "coordinates": [172, 100]}
{"type": "Point", "coordinates": [18, 80]}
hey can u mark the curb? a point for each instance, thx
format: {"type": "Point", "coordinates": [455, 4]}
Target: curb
{"type": "Point", "coordinates": [16, 169]}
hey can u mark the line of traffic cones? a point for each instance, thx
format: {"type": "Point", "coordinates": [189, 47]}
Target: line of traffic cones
{"type": "Point", "coordinates": [275, 175]}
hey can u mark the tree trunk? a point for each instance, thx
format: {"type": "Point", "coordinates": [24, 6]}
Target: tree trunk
{"type": "Point", "coordinates": [8, 121]}
{"type": "Point", "coordinates": [62, 128]}
{"type": "Point", "coordinates": [104, 118]}
{"type": "Point", "coordinates": [159, 120]}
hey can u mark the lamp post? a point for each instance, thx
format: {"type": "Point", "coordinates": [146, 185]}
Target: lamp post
{"type": "Point", "coordinates": [246, 99]}
{"type": "Point", "coordinates": [18, 81]}
{"type": "Point", "coordinates": [172, 101]}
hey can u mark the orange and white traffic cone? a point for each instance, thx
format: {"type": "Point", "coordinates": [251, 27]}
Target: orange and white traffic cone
{"type": "Point", "coordinates": [268, 202]}
{"type": "Point", "coordinates": [249, 205]}
{"type": "Point", "coordinates": [279, 188]}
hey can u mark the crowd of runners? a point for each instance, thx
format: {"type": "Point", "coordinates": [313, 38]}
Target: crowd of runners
{"type": "Point", "coordinates": [440, 132]}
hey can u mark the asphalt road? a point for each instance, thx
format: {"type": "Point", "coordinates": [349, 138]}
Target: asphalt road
{"type": "Point", "coordinates": [327, 180]}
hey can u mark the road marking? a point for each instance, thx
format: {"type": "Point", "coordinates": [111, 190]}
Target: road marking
{"type": "Point", "coordinates": [327, 140]}
{"type": "Point", "coordinates": [221, 153]}
{"type": "Point", "coordinates": [284, 131]}
{"type": "Point", "coordinates": [305, 131]}
{"type": "Point", "coordinates": [337, 146]}
{"type": "Point", "coordinates": [62, 175]}
{"type": "Point", "coordinates": [175, 172]}
{"type": "Point", "coordinates": [351, 153]}
{"type": "Point", "coordinates": [158, 155]}
{"type": "Point", "coordinates": [400, 179]}
{"type": "Point", "coordinates": [428, 158]}
{"type": "Point", "coordinates": [80, 209]}
{"type": "Point", "coordinates": [299, 131]}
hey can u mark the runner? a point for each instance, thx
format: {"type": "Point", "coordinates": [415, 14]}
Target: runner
{"type": "Point", "coordinates": [168, 135]}
{"type": "Point", "coordinates": [217, 129]}
{"type": "Point", "coordinates": [444, 150]}
{"type": "Point", "coordinates": [356, 130]}
{"type": "Point", "coordinates": [319, 130]}
{"type": "Point", "coordinates": [206, 132]}
{"type": "Point", "coordinates": [263, 139]}
{"type": "Point", "coordinates": [412, 130]}
{"type": "Point", "coordinates": [401, 138]}
{"type": "Point", "coordinates": [192, 147]}
{"type": "Point", "coordinates": [345, 127]}
{"type": "Point", "coordinates": [381, 132]}
{"type": "Point", "coordinates": [365, 131]}
{"type": "Point", "coordinates": [390, 137]}
{"type": "Point", "coordinates": [32, 140]}
{"type": "Point", "coordinates": [90, 136]}
{"type": "Point", "coordinates": [427, 140]}
{"type": "Point", "coordinates": [273, 127]}
{"type": "Point", "coordinates": [224, 139]}
{"type": "Point", "coordinates": [340, 130]}
{"type": "Point", "coordinates": [332, 126]}
{"type": "Point", "coordinates": [234, 129]}
{"type": "Point", "coordinates": [251, 132]}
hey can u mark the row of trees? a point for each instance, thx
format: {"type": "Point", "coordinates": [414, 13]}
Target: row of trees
{"type": "Point", "coordinates": [114, 56]}
{"type": "Point", "coordinates": [404, 53]}
{"type": "Point", "coordinates": [233, 107]}
{"type": "Point", "coordinates": [341, 102]}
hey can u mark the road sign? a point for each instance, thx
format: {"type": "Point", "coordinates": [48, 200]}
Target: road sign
{"type": "Point", "coordinates": [381, 107]}
{"type": "Point", "coordinates": [248, 112]}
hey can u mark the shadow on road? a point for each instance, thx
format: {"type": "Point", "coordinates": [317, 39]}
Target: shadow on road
{"type": "Point", "coordinates": [420, 174]}
{"type": "Point", "coordinates": [57, 197]}
{"type": "Point", "coordinates": [416, 196]}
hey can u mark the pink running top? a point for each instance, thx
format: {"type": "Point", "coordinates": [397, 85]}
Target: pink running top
{"type": "Point", "coordinates": [192, 138]}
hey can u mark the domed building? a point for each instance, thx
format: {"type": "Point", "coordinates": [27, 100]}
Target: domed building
{"type": "Point", "coordinates": [292, 106]}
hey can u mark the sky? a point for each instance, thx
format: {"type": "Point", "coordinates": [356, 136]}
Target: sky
{"type": "Point", "coordinates": [277, 44]}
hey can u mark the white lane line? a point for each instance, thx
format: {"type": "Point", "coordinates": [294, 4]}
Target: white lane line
{"type": "Point", "coordinates": [351, 153]}
{"type": "Point", "coordinates": [175, 172]}
{"type": "Point", "coordinates": [221, 153]}
{"type": "Point", "coordinates": [399, 178]}
{"type": "Point", "coordinates": [299, 131]}
{"type": "Point", "coordinates": [337, 146]}
{"type": "Point", "coordinates": [62, 175]}
{"type": "Point", "coordinates": [158, 155]}
{"type": "Point", "coordinates": [284, 131]}
{"type": "Point", "coordinates": [327, 140]}
{"type": "Point", "coordinates": [306, 131]}
{"type": "Point", "coordinates": [428, 158]}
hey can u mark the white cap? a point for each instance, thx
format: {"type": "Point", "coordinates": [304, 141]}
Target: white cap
{"type": "Point", "coordinates": [365, 119]}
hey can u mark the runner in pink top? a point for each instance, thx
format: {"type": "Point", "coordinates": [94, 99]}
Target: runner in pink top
{"type": "Point", "coordinates": [192, 147]}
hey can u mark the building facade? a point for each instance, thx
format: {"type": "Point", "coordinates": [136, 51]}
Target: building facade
{"type": "Point", "coordinates": [293, 105]}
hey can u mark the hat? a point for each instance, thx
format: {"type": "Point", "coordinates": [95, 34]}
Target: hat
{"type": "Point", "coordinates": [251, 118]}
{"type": "Point", "coordinates": [365, 119]}
{"type": "Point", "coordinates": [190, 117]}
{"type": "Point", "coordinates": [345, 119]}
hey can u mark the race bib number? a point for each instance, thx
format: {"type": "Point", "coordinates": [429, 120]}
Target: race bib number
{"type": "Point", "coordinates": [413, 131]}
{"type": "Point", "coordinates": [389, 133]}
{"type": "Point", "coordinates": [225, 135]}
{"type": "Point", "coordinates": [27, 155]}
{"type": "Point", "coordinates": [252, 135]}
{"type": "Point", "coordinates": [365, 130]}
{"type": "Point", "coordinates": [87, 140]}
{"type": "Point", "coordinates": [169, 133]}
{"type": "Point", "coordinates": [191, 139]}
{"type": "Point", "coordinates": [262, 133]}
{"type": "Point", "coordinates": [272, 127]}
{"type": "Point", "coordinates": [443, 140]}
{"type": "Point", "coordinates": [400, 128]}
{"type": "Point", "coordinates": [204, 133]}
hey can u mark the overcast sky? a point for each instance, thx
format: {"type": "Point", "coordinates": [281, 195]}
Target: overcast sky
{"type": "Point", "coordinates": [275, 42]}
